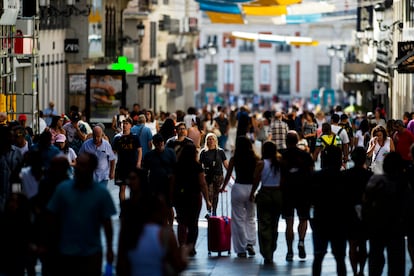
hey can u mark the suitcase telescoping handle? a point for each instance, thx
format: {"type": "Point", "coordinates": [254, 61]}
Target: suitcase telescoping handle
{"type": "Point", "coordinates": [221, 195]}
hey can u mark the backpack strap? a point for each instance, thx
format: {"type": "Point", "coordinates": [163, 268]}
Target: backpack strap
{"type": "Point", "coordinates": [333, 139]}
{"type": "Point", "coordinates": [326, 143]}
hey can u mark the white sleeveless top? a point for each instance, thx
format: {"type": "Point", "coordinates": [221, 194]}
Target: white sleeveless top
{"type": "Point", "coordinates": [269, 178]}
{"type": "Point", "coordinates": [379, 155]}
{"type": "Point", "coordinates": [380, 152]}
{"type": "Point", "coordinates": [152, 126]}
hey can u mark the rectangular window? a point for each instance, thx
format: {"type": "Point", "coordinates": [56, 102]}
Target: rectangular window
{"type": "Point", "coordinates": [324, 76]}
{"type": "Point", "coordinates": [283, 79]}
{"type": "Point", "coordinates": [283, 48]}
{"type": "Point", "coordinates": [211, 75]}
{"type": "Point", "coordinates": [247, 79]}
{"type": "Point", "coordinates": [246, 46]}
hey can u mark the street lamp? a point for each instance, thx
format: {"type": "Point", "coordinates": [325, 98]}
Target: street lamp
{"type": "Point", "coordinates": [141, 31]}
{"type": "Point", "coordinates": [331, 53]}
{"type": "Point", "coordinates": [339, 52]}
{"type": "Point", "coordinates": [228, 46]}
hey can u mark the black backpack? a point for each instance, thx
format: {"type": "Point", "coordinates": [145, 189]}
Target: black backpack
{"type": "Point", "coordinates": [326, 147]}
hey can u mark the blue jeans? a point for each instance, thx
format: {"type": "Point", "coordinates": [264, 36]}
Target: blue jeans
{"type": "Point", "coordinates": [222, 140]}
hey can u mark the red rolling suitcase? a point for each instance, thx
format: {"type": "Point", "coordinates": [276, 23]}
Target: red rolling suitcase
{"type": "Point", "coordinates": [219, 231]}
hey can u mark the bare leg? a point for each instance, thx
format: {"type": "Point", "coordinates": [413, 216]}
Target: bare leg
{"type": "Point", "coordinates": [289, 234]}
{"type": "Point", "coordinates": [353, 256]}
{"type": "Point", "coordinates": [302, 227]}
{"type": "Point", "coordinates": [122, 190]}
{"type": "Point", "coordinates": [362, 255]}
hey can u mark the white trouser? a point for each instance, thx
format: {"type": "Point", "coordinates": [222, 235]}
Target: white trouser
{"type": "Point", "coordinates": [243, 215]}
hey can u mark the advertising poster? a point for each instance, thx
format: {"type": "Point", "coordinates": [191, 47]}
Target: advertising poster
{"type": "Point", "coordinates": [105, 93]}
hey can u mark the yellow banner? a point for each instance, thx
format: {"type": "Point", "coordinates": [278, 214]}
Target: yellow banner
{"type": "Point", "coordinates": [8, 103]}
{"type": "Point", "coordinates": [264, 10]}
{"type": "Point", "coordinates": [276, 2]}
{"type": "Point", "coordinates": [297, 43]}
{"type": "Point", "coordinates": [225, 18]}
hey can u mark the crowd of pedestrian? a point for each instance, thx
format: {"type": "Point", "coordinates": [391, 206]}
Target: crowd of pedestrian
{"type": "Point", "coordinates": [54, 198]}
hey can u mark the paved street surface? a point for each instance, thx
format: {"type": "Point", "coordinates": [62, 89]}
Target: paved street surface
{"type": "Point", "coordinates": [202, 264]}
{"type": "Point", "coordinates": [228, 265]}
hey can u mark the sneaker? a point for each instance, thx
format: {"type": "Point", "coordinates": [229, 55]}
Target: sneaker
{"type": "Point", "coordinates": [289, 257]}
{"type": "Point", "coordinates": [242, 255]}
{"type": "Point", "coordinates": [301, 248]}
{"type": "Point", "coordinates": [250, 250]}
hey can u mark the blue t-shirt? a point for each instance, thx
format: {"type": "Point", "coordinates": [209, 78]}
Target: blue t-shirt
{"type": "Point", "coordinates": [81, 214]}
{"type": "Point", "coordinates": [47, 154]}
{"type": "Point", "coordinates": [145, 136]}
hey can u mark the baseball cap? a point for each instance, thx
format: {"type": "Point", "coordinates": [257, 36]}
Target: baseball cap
{"type": "Point", "coordinates": [60, 138]}
{"type": "Point", "coordinates": [22, 117]}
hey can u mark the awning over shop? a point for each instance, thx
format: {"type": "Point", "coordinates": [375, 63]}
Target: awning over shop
{"type": "Point", "coordinates": [358, 86]}
{"type": "Point", "coordinates": [359, 68]}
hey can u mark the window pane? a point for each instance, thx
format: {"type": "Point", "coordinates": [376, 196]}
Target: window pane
{"type": "Point", "coordinates": [324, 76]}
{"type": "Point", "coordinates": [283, 79]}
{"type": "Point", "coordinates": [211, 75]}
{"type": "Point", "coordinates": [247, 79]}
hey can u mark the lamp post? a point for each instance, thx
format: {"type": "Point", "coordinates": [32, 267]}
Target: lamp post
{"type": "Point", "coordinates": [141, 34]}
{"type": "Point", "coordinates": [228, 46]}
{"type": "Point", "coordinates": [331, 54]}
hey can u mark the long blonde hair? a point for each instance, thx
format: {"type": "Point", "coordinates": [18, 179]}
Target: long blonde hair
{"type": "Point", "coordinates": [215, 140]}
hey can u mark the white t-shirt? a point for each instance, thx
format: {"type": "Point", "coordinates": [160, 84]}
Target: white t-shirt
{"type": "Point", "coordinates": [23, 149]}
{"type": "Point", "coordinates": [360, 136]}
{"type": "Point", "coordinates": [343, 135]}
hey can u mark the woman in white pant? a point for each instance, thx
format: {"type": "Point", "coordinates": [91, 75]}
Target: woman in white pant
{"type": "Point", "coordinates": [243, 225]}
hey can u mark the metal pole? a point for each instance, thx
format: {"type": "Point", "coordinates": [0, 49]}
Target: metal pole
{"type": "Point", "coordinates": [228, 73]}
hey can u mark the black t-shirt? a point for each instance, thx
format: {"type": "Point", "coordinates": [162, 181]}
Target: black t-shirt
{"type": "Point", "coordinates": [222, 123]}
{"type": "Point", "coordinates": [296, 169]}
{"type": "Point", "coordinates": [212, 161]}
{"type": "Point", "coordinates": [126, 147]}
{"type": "Point", "coordinates": [160, 166]}
{"type": "Point", "coordinates": [176, 145]}
{"type": "Point", "coordinates": [328, 196]}
{"type": "Point", "coordinates": [187, 179]}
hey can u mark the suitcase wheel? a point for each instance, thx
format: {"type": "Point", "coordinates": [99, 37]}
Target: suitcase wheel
{"type": "Point", "coordinates": [219, 254]}
{"type": "Point", "coordinates": [209, 253]}
{"type": "Point", "coordinates": [228, 252]}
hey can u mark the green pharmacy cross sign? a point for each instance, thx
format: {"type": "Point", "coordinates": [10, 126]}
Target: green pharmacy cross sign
{"type": "Point", "coordinates": [123, 65]}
